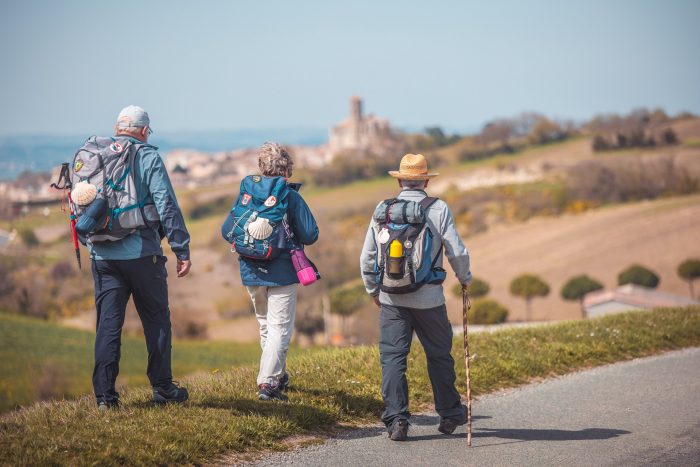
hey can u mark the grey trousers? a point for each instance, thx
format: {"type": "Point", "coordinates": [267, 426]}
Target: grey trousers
{"type": "Point", "coordinates": [435, 334]}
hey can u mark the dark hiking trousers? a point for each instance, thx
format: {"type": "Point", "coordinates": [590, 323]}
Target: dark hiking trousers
{"type": "Point", "coordinates": [115, 281]}
{"type": "Point", "coordinates": [435, 334]}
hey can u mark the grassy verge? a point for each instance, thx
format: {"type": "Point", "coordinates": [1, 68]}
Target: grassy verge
{"type": "Point", "coordinates": [329, 387]}
{"type": "Point", "coordinates": [39, 360]}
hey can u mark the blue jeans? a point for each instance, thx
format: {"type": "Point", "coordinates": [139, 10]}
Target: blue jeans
{"type": "Point", "coordinates": [115, 281]}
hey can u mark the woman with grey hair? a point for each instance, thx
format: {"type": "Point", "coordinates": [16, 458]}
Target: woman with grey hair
{"type": "Point", "coordinates": [269, 218]}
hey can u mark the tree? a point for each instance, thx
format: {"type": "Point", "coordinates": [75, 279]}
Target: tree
{"type": "Point", "coordinates": [638, 275]}
{"type": "Point", "coordinates": [28, 237]}
{"type": "Point", "coordinates": [600, 143]}
{"type": "Point", "coordinates": [477, 289]}
{"type": "Point", "coordinates": [309, 324]}
{"type": "Point", "coordinates": [669, 137]}
{"type": "Point", "coordinates": [500, 131]}
{"type": "Point", "coordinates": [437, 135]}
{"type": "Point", "coordinates": [528, 286]}
{"type": "Point", "coordinates": [487, 312]}
{"type": "Point", "coordinates": [689, 270]}
{"type": "Point", "coordinates": [577, 288]}
{"type": "Point", "coordinates": [345, 301]}
{"type": "Point", "coordinates": [545, 131]}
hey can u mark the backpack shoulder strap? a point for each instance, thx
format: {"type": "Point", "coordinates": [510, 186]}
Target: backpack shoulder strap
{"type": "Point", "coordinates": [427, 202]}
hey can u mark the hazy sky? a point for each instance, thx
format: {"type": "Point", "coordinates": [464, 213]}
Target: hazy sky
{"type": "Point", "coordinates": [69, 66]}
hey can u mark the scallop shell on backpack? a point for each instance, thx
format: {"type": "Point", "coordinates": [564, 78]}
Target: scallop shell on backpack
{"type": "Point", "coordinates": [260, 228]}
{"type": "Point", "coordinates": [83, 193]}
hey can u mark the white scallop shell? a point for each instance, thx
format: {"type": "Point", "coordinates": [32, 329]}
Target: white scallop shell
{"type": "Point", "coordinates": [83, 193]}
{"type": "Point", "coordinates": [260, 228]}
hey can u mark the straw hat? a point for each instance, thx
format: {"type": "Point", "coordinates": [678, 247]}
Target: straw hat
{"type": "Point", "coordinates": [413, 167]}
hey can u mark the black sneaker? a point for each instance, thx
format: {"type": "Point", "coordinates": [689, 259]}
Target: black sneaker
{"type": "Point", "coordinates": [449, 425]}
{"type": "Point", "coordinates": [170, 394]}
{"type": "Point", "coordinates": [268, 392]}
{"type": "Point", "coordinates": [398, 431]}
{"type": "Point", "coordinates": [284, 382]}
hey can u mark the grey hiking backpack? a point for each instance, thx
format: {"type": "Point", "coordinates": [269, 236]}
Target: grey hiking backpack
{"type": "Point", "coordinates": [109, 164]}
{"type": "Point", "coordinates": [404, 246]}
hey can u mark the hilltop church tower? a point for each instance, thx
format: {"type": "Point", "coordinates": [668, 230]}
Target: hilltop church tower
{"type": "Point", "coordinates": [356, 109]}
{"type": "Point", "coordinates": [359, 132]}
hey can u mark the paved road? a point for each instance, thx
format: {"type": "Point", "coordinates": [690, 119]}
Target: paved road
{"type": "Point", "coordinates": [644, 412]}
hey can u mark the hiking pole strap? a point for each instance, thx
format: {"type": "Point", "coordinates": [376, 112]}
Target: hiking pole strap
{"type": "Point", "coordinates": [63, 178]}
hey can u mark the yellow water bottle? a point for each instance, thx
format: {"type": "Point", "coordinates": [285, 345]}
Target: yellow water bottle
{"type": "Point", "coordinates": [395, 258]}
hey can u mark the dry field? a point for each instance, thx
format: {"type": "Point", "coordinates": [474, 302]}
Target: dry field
{"type": "Point", "coordinates": [657, 234]}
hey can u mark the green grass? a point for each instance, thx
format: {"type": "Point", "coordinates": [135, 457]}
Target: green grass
{"type": "Point", "coordinates": [41, 356]}
{"type": "Point", "coordinates": [330, 386]}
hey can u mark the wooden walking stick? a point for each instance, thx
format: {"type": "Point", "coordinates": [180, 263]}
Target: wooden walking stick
{"type": "Point", "coordinates": [466, 305]}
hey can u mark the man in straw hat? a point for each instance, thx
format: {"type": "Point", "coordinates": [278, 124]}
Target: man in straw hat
{"type": "Point", "coordinates": [421, 309]}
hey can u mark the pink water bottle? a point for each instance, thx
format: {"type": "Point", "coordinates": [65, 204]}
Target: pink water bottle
{"type": "Point", "coordinates": [305, 270]}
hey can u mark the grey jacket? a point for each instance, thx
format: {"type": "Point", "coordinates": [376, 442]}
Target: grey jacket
{"type": "Point", "coordinates": [442, 225]}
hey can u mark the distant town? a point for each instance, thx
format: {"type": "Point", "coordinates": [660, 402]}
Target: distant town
{"type": "Point", "coordinates": [190, 168]}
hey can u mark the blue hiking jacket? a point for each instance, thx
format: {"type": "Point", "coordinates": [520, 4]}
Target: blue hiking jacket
{"type": "Point", "coordinates": [152, 185]}
{"type": "Point", "coordinates": [280, 271]}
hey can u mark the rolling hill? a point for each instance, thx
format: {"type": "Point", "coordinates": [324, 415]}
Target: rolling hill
{"type": "Point", "coordinates": [657, 234]}
{"type": "Point", "coordinates": [41, 360]}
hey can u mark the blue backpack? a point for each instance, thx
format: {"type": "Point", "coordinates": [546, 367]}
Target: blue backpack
{"type": "Point", "coordinates": [256, 226]}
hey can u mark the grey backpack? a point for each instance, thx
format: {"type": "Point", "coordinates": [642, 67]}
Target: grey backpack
{"type": "Point", "coordinates": [404, 245]}
{"type": "Point", "coordinates": [109, 163]}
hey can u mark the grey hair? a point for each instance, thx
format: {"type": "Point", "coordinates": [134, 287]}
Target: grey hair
{"type": "Point", "coordinates": [274, 160]}
{"type": "Point", "coordinates": [413, 184]}
{"type": "Point", "coordinates": [128, 130]}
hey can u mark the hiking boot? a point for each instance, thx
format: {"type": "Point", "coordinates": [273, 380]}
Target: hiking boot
{"type": "Point", "coordinates": [284, 382]}
{"type": "Point", "coordinates": [398, 431]}
{"type": "Point", "coordinates": [104, 406]}
{"type": "Point", "coordinates": [268, 392]}
{"type": "Point", "coordinates": [449, 425]}
{"type": "Point", "coordinates": [170, 394]}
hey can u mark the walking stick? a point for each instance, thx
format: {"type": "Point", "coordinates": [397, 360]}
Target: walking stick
{"type": "Point", "coordinates": [466, 305]}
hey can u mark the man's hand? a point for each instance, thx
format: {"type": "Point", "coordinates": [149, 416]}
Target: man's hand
{"type": "Point", "coordinates": [376, 300]}
{"type": "Point", "coordinates": [183, 267]}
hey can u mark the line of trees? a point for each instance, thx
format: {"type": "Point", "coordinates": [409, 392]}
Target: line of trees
{"type": "Point", "coordinates": [639, 129]}
{"type": "Point", "coordinates": [507, 135]}
{"type": "Point", "coordinates": [530, 286]}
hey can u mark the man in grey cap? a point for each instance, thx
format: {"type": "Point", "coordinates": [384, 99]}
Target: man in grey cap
{"type": "Point", "coordinates": [135, 266]}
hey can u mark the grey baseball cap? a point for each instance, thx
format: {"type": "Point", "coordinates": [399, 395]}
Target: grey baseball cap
{"type": "Point", "coordinates": [133, 116]}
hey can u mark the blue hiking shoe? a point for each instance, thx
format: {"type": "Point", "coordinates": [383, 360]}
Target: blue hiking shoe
{"type": "Point", "coordinates": [398, 430]}
{"type": "Point", "coordinates": [268, 392]}
{"type": "Point", "coordinates": [172, 394]}
{"type": "Point", "coordinates": [449, 425]}
{"type": "Point", "coordinates": [284, 382]}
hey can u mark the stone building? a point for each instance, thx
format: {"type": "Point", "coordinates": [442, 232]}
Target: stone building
{"type": "Point", "coordinates": [359, 132]}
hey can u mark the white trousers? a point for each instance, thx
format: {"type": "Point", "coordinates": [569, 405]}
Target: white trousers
{"type": "Point", "coordinates": [275, 308]}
